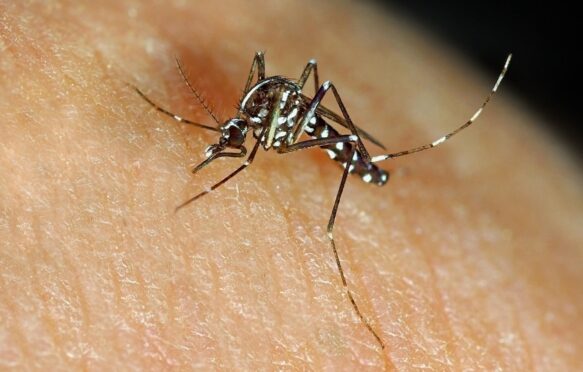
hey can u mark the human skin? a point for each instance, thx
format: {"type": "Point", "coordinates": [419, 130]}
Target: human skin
{"type": "Point", "coordinates": [469, 259]}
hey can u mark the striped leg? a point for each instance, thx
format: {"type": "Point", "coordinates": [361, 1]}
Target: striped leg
{"type": "Point", "coordinates": [442, 139]}
{"type": "Point", "coordinates": [338, 263]}
{"type": "Point", "coordinates": [323, 142]}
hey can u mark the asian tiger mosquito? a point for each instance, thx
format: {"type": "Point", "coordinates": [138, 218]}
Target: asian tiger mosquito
{"type": "Point", "coordinates": [276, 111]}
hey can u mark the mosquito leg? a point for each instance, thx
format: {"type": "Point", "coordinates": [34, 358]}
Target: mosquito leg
{"type": "Point", "coordinates": [443, 139]}
{"type": "Point", "coordinates": [311, 66]}
{"type": "Point", "coordinates": [311, 112]}
{"type": "Point", "coordinates": [259, 65]}
{"type": "Point", "coordinates": [172, 115]}
{"type": "Point", "coordinates": [233, 174]}
{"type": "Point", "coordinates": [347, 167]}
{"type": "Point", "coordinates": [337, 258]}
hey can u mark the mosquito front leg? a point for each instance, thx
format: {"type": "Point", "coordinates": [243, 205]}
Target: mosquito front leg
{"type": "Point", "coordinates": [311, 112]}
{"type": "Point", "coordinates": [233, 174]}
{"type": "Point", "coordinates": [259, 65]}
{"type": "Point", "coordinates": [311, 66]}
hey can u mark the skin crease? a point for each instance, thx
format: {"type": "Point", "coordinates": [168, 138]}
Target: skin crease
{"type": "Point", "coordinates": [469, 259]}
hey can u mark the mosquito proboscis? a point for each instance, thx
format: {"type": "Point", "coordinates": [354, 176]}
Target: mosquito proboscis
{"type": "Point", "coordinates": [279, 116]}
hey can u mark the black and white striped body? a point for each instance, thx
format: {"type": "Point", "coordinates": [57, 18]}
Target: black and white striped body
{"type": "Point", "coordinates": [340, 152]}
{"type": "Point", "coordinates": [277, 104]}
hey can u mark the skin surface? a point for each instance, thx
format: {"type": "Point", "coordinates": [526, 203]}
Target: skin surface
{"type": "Point", "coordinates": [469, 259]}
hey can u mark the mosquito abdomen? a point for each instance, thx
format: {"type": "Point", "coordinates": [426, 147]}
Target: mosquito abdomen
{"type": "Point", "coordinates": [340, 152]}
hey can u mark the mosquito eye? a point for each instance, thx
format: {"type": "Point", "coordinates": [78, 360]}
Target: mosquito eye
{"type": "Point", "coordinates": [236, 137]}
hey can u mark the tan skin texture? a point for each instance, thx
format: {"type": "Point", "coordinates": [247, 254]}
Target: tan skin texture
{"type": "Point", "coordinates": [468, 259]}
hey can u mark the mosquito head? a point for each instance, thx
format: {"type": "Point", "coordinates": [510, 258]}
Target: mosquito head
{"type": "Point", "coordinates": [233, 133]}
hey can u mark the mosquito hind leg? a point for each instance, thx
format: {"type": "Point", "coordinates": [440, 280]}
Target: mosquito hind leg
{"type": "Point", "coordinates": [347, 168]}
{"type": "Point", "coordinates": [330, 231]}
{"type": "Point", "coordinates": [447, 136]}
{"type": "Point", "coordinates": [259, 65]}
{"type": "Point", "coordinates": [312, 66]}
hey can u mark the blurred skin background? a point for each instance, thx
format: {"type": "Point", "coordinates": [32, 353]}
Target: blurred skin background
{"type": "Point", "coordinates": [544, 36]}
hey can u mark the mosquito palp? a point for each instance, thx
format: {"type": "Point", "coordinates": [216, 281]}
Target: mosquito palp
{"type": "Point", "coordinates": [278, 116]}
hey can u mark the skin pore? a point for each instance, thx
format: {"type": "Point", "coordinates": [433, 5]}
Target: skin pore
{"type": "Point", "coordinates": [468, 259]}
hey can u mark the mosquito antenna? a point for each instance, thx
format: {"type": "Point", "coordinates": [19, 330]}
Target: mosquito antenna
{"type": "Point", "coordinates": [170, 114]}
{"type": "Point", "coordinates": [196, 94]}
{"type": "Point", "coordinates": [441, 140]}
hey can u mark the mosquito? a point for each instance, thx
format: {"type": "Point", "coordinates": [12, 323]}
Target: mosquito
{"type": "Point", "coordinates": [279, 116]}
